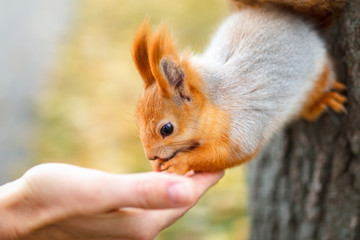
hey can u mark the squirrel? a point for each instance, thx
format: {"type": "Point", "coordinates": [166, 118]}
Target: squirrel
{"type": "Point", "coordinates": [265, 66]}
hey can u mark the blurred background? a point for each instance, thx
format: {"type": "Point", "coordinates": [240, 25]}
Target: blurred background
{"type": "Point", "coordinates": [68, 91]}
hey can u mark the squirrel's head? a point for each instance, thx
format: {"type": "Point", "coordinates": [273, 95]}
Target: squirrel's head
{"type": "Point", "coordinates": [170, 108]}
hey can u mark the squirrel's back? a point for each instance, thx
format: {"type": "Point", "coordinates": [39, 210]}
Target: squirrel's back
{"type": "Point", "coordinates": [321, 11]}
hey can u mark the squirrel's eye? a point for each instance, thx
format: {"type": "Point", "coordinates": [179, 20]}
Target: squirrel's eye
{"type": "Point", "coordinates": [166, 130]}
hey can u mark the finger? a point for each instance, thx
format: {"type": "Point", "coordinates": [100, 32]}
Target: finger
{"type": "Point", "coordinates": [73, 190]}
{"type": "Point", "coordinates": [150, 221]}
{"type": "Point", "coordinates": [204, 181]}
{"type": "Point", "coordinates": [161, 190]}
{"type": "Point", "coordinates": [146, 190]}
{"type": "Point", "coordinates": [122, 224]}
{"type": "Point", "coordinates": [156, 190]}
{"type": "Point", "coordinates": [127, 223]}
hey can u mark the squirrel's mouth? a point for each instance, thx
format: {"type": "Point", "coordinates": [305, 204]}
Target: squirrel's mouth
{"type": "Point", "coordinates": [188, 148]}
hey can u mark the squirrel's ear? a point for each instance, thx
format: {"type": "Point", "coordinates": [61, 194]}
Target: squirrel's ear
{"type": "Point", "coordinates": [162, 47]}
{"type": "Point", "coordinates": [172, 72]}
{"type": "Point", "coordinates": [140, 53]}
{"type": "Point", "coordinates": [176, 78]}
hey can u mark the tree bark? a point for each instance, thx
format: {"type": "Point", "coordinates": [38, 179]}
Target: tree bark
{"type": "Point", "coordinates": [306, 184]}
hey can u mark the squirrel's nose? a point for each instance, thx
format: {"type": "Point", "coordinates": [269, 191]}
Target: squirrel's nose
{"type": "Point", "coordinates": [150, 153]}
{"type": "Point", "coordinates": [152, 158]}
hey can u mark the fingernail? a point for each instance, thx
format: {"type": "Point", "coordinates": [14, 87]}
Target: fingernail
{"type": "Point", "coordinates": [181, 192]}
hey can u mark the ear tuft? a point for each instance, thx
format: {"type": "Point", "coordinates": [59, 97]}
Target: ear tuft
{"type": "Point", "coordinates": [173, 73]}
{"type": "Point", "coordinates": [161, 47]}
{"type": "Point", "coordinates": [140, 52]}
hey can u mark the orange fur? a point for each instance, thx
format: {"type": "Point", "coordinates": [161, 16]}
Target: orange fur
{"type": "Point", "coordinates": [161, 45]}
{"type": "Point", "coordinates": [213, 156]}
{"type": "Point", "coordinates": [193, 121]}
{"type": "Point", "coordinates": [140, 53]}
{"type": "Point", "coordinates": [214, 153]}
{"type": "Point", "coordinates": [321, 11]}
{"type": "Point", "coordinates": [195, 83]}
{"type": "Point", "coordinates": [321, 97]}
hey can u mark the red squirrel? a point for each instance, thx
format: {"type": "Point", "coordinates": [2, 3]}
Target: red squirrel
{"type": "Point", "coordinates": [265, 66]}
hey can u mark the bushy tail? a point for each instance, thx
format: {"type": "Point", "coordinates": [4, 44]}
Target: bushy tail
{"type": "Point", "coordinates": [320, 11]}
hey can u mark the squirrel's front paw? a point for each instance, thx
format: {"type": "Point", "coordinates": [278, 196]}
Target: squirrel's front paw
{"type": "Point", "coordinates": [174, 166]}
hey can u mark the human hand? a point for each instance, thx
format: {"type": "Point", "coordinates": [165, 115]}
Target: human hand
{"type": "Point", "coordinates": [60, 201]}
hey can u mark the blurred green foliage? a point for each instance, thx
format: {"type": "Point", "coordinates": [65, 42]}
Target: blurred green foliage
{"type": "Point", "coordinates": [87, 114]}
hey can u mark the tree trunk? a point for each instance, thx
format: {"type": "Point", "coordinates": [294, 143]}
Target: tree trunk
{"type": "Point", "coordinates": [306, 183]}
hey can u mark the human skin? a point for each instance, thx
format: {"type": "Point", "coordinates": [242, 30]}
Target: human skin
{"type": "Point", "coordinates": [60, 201]}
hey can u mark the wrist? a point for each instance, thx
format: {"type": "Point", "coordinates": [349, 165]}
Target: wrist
{"type": "Point", "coordinates": [12, 223]}
{"type": "Point", "coordinates": [20, 212]}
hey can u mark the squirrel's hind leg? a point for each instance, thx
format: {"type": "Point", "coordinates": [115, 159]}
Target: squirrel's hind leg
{"type": "Point", "coordinates": [325, 94]}
{"type": "Point", "coordinates": [331, 99]}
